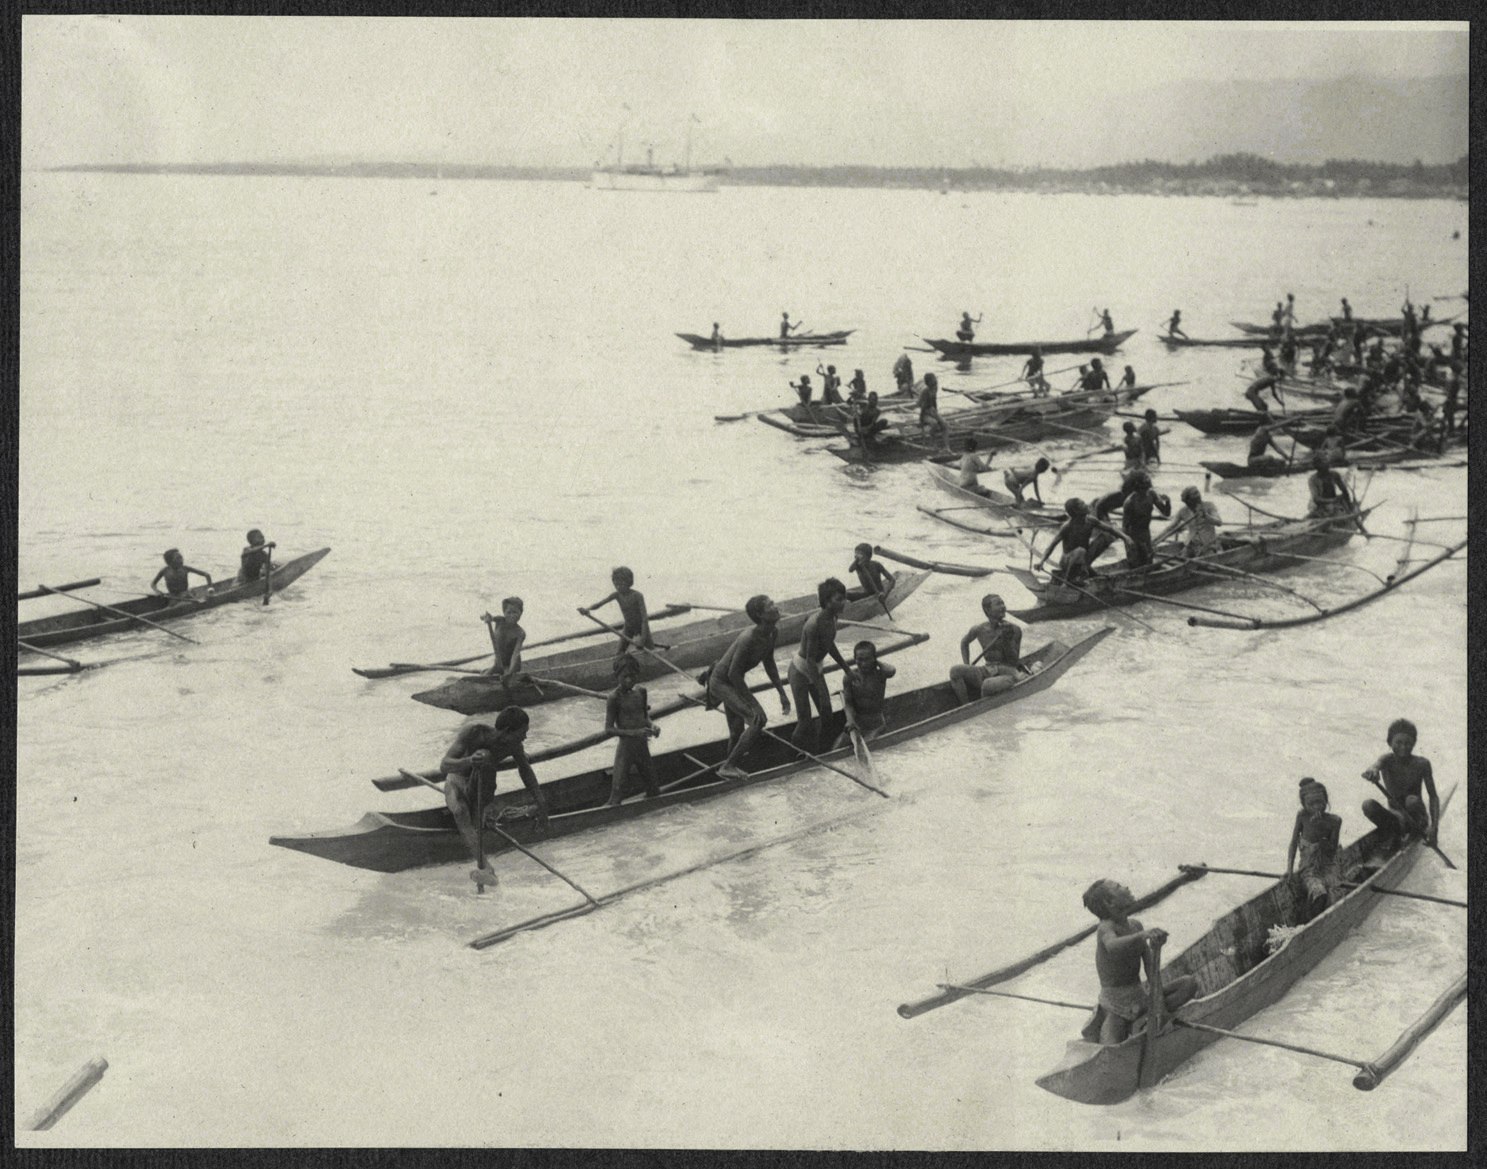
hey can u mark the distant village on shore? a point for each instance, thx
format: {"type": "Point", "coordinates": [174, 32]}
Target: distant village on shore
{"type": "Point", "coordinates": [1230, 176]}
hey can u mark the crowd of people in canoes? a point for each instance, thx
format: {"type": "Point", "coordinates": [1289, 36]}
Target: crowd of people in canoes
{"type": "Point", "coordinates": [480, 749]}
{"type": "Point", "coordinates": [254, 561]}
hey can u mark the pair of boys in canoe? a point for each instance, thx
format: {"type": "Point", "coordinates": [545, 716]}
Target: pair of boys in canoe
{"type": "Point", "coordinates": [253, 563]}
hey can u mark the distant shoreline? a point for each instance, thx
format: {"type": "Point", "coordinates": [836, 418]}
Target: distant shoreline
{"type": "Point", "coordinates": [1232, 176]}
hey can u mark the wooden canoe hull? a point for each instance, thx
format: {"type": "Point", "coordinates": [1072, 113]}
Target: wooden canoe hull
{"type": "Point", "coordinates": [1236, 978]}
{"type": "Point", "coordinates": [84, 624]}
{"type": "Point", "coordinates": [1234, 421]}
{"type": "Point", "coordinates": [1050, 427]}
{"type": "Point", "coordinates": [796, 341]}
{"type": "Point", "coordinates": [1215, 342]}
{"type": "Point", "coordinates": [693, 646]}
{"type": "Point", "coordinates": [1276, 334]}
{"type": "Point", "coordinates": [1275, 468]}
{"type": "Point", "coordinates": [394, 841]}
{"type": "Point", "coordinates": [1105, 345]}
{"type": "Point", "coordinates": [1267, 553]}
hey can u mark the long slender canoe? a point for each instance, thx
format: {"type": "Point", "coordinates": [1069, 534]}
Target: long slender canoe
{"type": "Point", "coordinates": [389, 842]}
{"type": "Point", "coordinates": [989, 406]}
{"type": "Point", "coordinates": [80, 625]}
{"type": "Point", "coordinates": [795, 341]}
{"type": "Point", "coordinates": [693, 645]}
{"type": "Point", "coordinates": [1227, 421]}
{"type": "Point", "coordinates": [1373, 460]}
{"type": "Point", "coordinates": [1237, 972]}
{"type": "Point", "coordinates": [1276, 332]}
{"type": "Point", "coordinates": [1214, 342]}
{"type": "Point", "coordinates": [1017, 429]}
{"type": "Point", "coordinates": [1005, 507]}
{"type": "Point", "coordinates": [1107, 344]}
{"type": "Point", "coordinates": [1260, 549]}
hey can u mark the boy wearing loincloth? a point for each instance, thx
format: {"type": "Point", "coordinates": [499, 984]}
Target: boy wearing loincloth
{"type": "Point", "coordinates": [1120, 943]}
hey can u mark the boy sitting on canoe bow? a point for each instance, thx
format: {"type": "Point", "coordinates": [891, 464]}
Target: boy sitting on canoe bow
{"type": "Point", "coordinates": [472, 759]}
{"type": "Point", "coordinates": [255, 560]}
{"type": "Point", "coordinates": [871, 575]}
{"type": "Point", "coordinates": [1400, 774]}
{"type": "Point", "coordinates": [1001, 647]}
{"type": "Point", "coordinates": [507, 638]}
{"type": "Point", "coordinates": [1120, 943]}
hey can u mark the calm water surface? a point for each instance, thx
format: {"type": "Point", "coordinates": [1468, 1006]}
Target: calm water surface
{"type": "Point", "coordinates": [472, 389]}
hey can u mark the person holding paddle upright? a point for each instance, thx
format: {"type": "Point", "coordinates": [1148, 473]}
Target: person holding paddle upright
{"type": "Point", "coordinates": [637, 626]}
{"type": "Point", "coordinates": [1329, 494]}
{"type": "Point", "coordinates": [864, 687]}
{"type": "Point", "coordinates": [727, 686]}
{"type": "Point", "coordinates": [256, 558]}
{"type": "Point", "coordinates": [876, 580]}
{"type": "Point", "coordinates": [1107, 322]}
{"type": "Point", "coordinates": [1001, 649]}
{"type": "Point", "coordinates": [1399, 775]}
{"type": "Point", "coordinates": [507, 637]}
{"type": "Point", "coordinates": [817, 640]}
{"type": "Point", "coordinates": [627, 717]}
{"type": "Point", "coordinates": [967, 330]}
{"type": "Point", "coordinates": [175, 574]}
{"type": "Point", "coordinates": [469, 768]}
{"type": "Point", "coordinates": [1119, 944]}
{"type": "Point", "coordinates": [786, 328]}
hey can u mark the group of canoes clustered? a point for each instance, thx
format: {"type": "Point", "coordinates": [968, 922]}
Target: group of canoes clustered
{"type": "Point", "coordinates": [1356, 393]}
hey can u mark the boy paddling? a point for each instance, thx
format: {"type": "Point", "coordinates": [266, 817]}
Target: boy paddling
{"type": "Point", "coordinates": [637, 627]}
{"type": "Point", "coordinates": [864, 686]}
{"type": "Point", "coordinates": [1119, 944]}
{"type": "Point", "coordinates": [507, 637]}
{"type": "Point", "coordinates": [469, 768]}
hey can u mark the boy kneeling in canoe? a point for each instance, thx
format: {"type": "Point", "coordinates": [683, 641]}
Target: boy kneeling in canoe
{"type": "Point", "coordinates": [1120, 943]}
{"type": "Point", "coordinates": [1001, 647]}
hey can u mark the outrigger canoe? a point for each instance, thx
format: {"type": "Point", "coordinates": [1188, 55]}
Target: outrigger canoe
{"type": "Point", "coordinates": [1017, 430]}
{"type": "Point", "coordinates": [1107, 344]}
{"type": "Point", "coordinates": [390, 842]}
{"type": "Point", "coordinates": [795, 341]}
{"type": "Point", "coordinates": [1262, 548]}
{"type": "Point", "coordinates": [986, 406]}
{"type": "Point", "coordinates": [1237, 972]}
{"type": "Point", "coordinates": [80, 625]}
{"type": "Point", "coordinates": [692, 646]}
{"type": "Point", "coordinates": [1226, 421]}
{"type": "Point", "coordinates": [1272, 468]}
{"type": "Point", "coordinates": [1277, 333]}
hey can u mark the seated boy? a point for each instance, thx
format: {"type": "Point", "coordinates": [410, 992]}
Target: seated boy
{"type": "Point", "coordinates": [1120, 943]}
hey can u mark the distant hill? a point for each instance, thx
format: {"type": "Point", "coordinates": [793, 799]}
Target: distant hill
{"type": "Point", "coordinates": [1287, 121]}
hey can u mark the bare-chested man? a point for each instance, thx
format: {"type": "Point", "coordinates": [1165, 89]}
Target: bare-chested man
{"type": "Point", "coordinates": [817, 640]}
{"type": "Point", "coordinates": [728, 688]}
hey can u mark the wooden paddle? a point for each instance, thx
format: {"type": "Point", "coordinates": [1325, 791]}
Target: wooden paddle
{"type": "Point", "coordinates": [1201, 869]}
{"type": "Point", "coordinates": [36, 649]}
{"type": "Point", "coordinates": [121, 613]}
{"type": "Point", "coordinates": [1006, 973]}
{"type": "Point", "coordinates": [864, 756]}
{"type": "Point", "coordinates": [268, 571]}
{"type": "Point", "coordinates": [63, 588]}
{"type": "Point", "coordinates": [1146, 1070]}
{"type": "Point", "coordinates": [1385, 793]}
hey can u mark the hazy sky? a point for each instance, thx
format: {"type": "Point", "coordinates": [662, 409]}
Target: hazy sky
{"type": "Point", "coordinates": [555, 92]}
